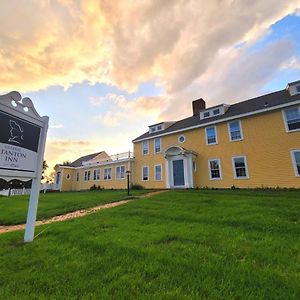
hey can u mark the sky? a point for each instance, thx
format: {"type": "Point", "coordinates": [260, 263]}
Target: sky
{"type": "Point", "coordinates": [103, 71]}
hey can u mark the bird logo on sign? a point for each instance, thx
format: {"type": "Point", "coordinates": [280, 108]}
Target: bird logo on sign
{"type": "Point", "coordinates": [16, 132]}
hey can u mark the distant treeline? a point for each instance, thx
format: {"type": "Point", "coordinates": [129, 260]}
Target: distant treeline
{"type": "Point", "coordinates": [14, 184]}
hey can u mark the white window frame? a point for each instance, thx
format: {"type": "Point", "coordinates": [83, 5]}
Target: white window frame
{"type": "Point", "coordinates": [68, 176]}
{"type": "Point", "coordinates": [206, 137]}
{"type": "Point", "coordinates": [85, 177]}
{"type": "Point", "coordinates": [285, 120]}
{"type": "Point", "coordinates": [161, 170]}
{"type": "Point", "coordinates": [294, 161]}
{"type": "Point", "coordinates": [107, 179]}
{"type": "Point", "coordinates": [246, 167]}
{"type": "Point", "coordinates": [143, 173]}
{"type": "Point", "coordinates": [241, 131]}
{"type": "Point", "coordinates": [117, 177]}
{"type": "Point", "coordinates": [181, 136]}
{"type": "Point", "coordinates": [77, 176]}
{"type": "Point", "coordinates": [95, 177]}
{"type": "Point", "coordinates": [157, 152]}
{"type": "Point", "coordinates": [220, 168]}
{"type": "Point", "coordinates": [145, 142]}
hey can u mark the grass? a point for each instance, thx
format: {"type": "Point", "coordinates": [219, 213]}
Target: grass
{"type": "Point", "coordinates": [13, 210]}
{"type": "Point", "coordinates": [176, 245]}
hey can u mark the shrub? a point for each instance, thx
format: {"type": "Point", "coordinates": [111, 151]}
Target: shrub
{"type": "Point", "coordinates": [136, 186]}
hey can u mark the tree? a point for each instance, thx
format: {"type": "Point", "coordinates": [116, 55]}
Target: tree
{"type": "Point", "coordinates": [45, 167]}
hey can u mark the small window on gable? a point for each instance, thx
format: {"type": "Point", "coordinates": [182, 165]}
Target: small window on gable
{"type": "Point", "coordinates": [216, 111]}
{"type": "Point", "coordinates": [68, 176]}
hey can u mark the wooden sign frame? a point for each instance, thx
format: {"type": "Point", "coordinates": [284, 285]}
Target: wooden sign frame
{"type": "Point", "coordinates": [23, 135]}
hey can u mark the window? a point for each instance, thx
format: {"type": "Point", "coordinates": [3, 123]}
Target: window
{"type": "Point", "coordinates": [157, 147]}
{"type": "Point", "coordinates": [152, 129]}
{"type": "Point", "coordinates": [240, 167]}
{"type": "Point", "coordinates": [77, 176]}
{"type": "Point", "coordinates": [87, 175]}
{"type": "Point", "coordinates": [58, 178]}
{"type": "Point", "coordinates": [235, 131]}
{"type": "Point", "coordinates": [296, 161]}
{"type": "Point", "coordinates": [216, 111]}
{"type": "Point", "coordinates": [292, 118]}
{"type": "Point", "coordinates": [107, 174]}
{"type": "Point", "coordinates": [194, 166]}
{"type": "Point", "coordinates": [159, 127]}
{"type": "Point", "coordinates": [158, 175]}
{"type": "Point", "coordinates": [145, 147]}
{"type": "Point", "coordinates": [211, 136]}
{"type": "Point", "coordinates": [97, 174]}
{"type": "Point", "coordinates": [145, 175]}
{"type": "Point", "coordinates": [206, 114]}
{"type": "Point", "coordinates": [181, 139]}
{"type": "Point", "coordinates": [214, 169]}
{"type": "Point", "coordinates": [298, 88]}
{"type": "Point", "coordinates": [68, 176]}
{"type": "Point", "coordinates": [120, 172]}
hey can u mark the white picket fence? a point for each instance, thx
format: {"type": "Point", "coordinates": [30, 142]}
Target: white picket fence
{"type": "Point", "coordinates": [23, 191]}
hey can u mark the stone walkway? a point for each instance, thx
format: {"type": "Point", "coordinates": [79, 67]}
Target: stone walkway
{"type": "Point", "coordinates": [77, 213]}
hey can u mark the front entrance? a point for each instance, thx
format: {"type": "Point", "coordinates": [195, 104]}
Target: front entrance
{"type": "Point", "coordinates": [179, 167]}
{"type": "Point", "coordinates": [178, 172]}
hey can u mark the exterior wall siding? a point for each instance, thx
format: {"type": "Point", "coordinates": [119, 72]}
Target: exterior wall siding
{"type": "Point", "coordinates": [266, 145]}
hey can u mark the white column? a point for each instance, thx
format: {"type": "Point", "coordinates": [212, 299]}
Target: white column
{"type": "Point", "coordinates": [168, 185]}
{"type": "Point", "coordinates": [186, 173]}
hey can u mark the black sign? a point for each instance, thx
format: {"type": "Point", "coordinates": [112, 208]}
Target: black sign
{"type": "Point", "coordinates": [18, 132]}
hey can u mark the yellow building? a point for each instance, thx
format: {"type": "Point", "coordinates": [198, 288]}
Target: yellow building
{"type": "Point", "coordinates": [254, 143]}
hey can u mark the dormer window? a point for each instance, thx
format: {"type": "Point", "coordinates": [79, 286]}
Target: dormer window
{"type": "Point", "coordinates": [216, 111]}
{"type": "Point", "coordinates": [159, 127]}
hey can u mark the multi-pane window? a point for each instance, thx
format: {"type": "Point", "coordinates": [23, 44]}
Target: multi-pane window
{"type": "Point", "coordinates": [214, 169]}
{"type": "Point", "coordinates": [77, 176]}
{"type": "Point", "coordinates": [157, 145]}
{"type": "Point", "coordinates": [296, 161]}
{"type": "Point", "coordinates": [158, 174]}
{"type": "Point", "coordinates": [87, 175]}
{"type": "Point", "coordinates": [235, 130]}
{"type": "Point", "coordinates": [107, 173]}
{"type": "Point", "coordinates": [145, 175]}
{"type": "Point", "coordinates": [145, 147]}
{"type": "Point", "coordinates": [211, 135]}
{"type": "Point", "coordinates": [292, 117]}
{"type": "Point", "coordinates": [97, 174]}
{"type": "Point", "coordinates": [120, 172]}
{"type": "Point", "coordinates": [216, 111]}
{"type": "Point", "coordinates": [240, 167]}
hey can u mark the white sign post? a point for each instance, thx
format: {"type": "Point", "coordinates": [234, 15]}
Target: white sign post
{"type": "Point", "coordinates": [22, 144]}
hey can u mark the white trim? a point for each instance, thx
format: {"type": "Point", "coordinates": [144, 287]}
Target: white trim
{"type": "Point", "coordinates": [110, 174]}
{"type": "Point", "coordinates": [209, 169]}
{"type": "Point", "coordinates": [161, 177]}
{"type": "Point", "coordinates": [94, 174]}
{"type": "Point", "coordinates": [285, 120]}
{"type": "Point", "coordinates": [148, 146]}
{"type": "Point", "coordinates": [246, 167]}
{"type": "Point", "coordinates": [241, 131]}
{"type": "Point", "coordinates": [277, 107]}
{"type": "Point", "coordinates": [216, 135]}
{"type": "Point", "coordinates": [294, 162]}
{"type": "Point", "coordinates": [147, 172]}
{"type": "Point", "coordinates": [159, 145]}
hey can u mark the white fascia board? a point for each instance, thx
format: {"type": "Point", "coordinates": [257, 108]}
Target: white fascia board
{"type": "Point", "coordinates": [256, 112]}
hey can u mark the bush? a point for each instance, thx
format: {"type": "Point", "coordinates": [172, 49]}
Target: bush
{"type": "Point", "coordinates": [136, 186]}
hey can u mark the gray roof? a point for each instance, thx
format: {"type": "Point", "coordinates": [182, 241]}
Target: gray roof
{"type": "Point", "coordinates": [78, 162]}
{"type": "Point", "coordinates": [248, 106]}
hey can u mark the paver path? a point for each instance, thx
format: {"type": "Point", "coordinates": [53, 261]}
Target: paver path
{"type": "Point", "coordinates": [77, 213]}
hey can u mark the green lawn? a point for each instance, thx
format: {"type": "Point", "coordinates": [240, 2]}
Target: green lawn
{"type": "Point", "coordinates": [13, 210]}
{"type": "Point", "coordinates": [176, 245]}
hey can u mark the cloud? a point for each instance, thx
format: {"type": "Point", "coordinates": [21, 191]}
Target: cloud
{"type": "Point", "coordinates": [97, 101]}
{"type": "Point", "coordinates": [56, 126]}
{"type": "Point", "coordinates": [122, 42]}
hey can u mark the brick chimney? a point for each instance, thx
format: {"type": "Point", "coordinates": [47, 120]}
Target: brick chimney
{"type": "Point", "coordinates": [198, 105]}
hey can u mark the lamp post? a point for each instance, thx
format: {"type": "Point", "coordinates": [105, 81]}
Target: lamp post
{"type": "Point", "coordinates": [128, 181]}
